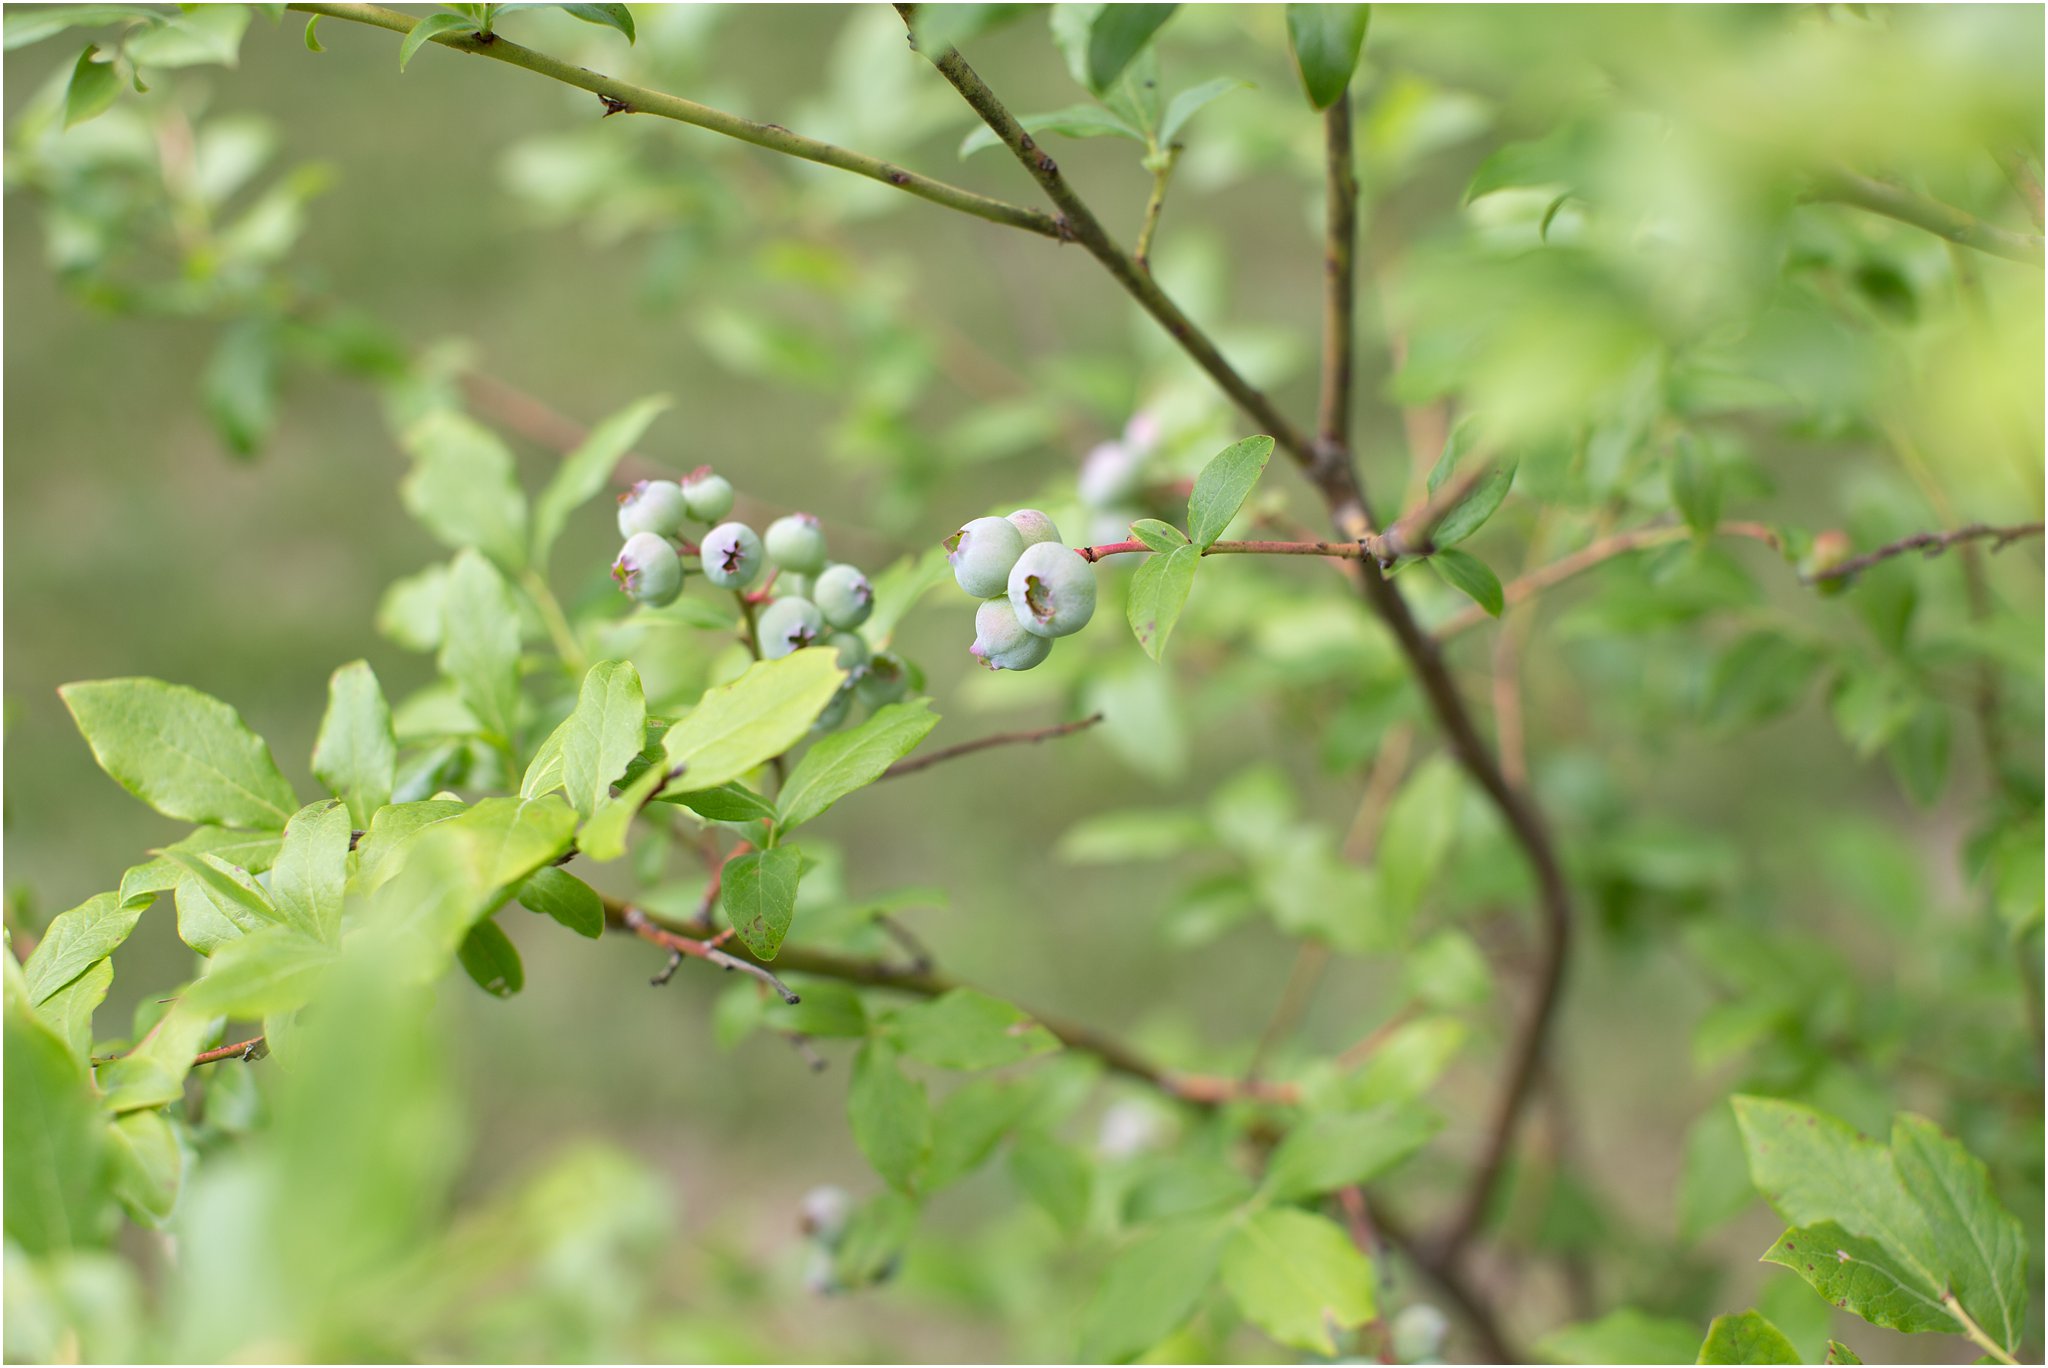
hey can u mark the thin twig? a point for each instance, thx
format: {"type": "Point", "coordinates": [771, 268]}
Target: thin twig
{"type": "Point", "coordinates": [1844, 186]}
{"type": "Point", "coordinates": [1015, 738]}
{"type": "Point", "coordinates": [1933, 543]}
{"type": "Point", "coordinates": [1134, 547]}
{"type": "Point", "coordinates": [252, 1049]}
{"type": "Point", "coordinates": [1527, 586]}
{"type": "Point", "coordinates": [622, 97]}
{"type": "Point", "coordinates": [1340, 243]}
{"type": "Point", "coordinates": [638, 922]}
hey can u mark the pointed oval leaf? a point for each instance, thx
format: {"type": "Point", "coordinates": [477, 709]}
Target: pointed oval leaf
{"type": "Point", "coordinates": [183, 752]}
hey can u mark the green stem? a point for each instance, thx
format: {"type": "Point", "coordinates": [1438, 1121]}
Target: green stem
{"type": "Point", "coordinates": [559, 630]}
{"type": "Point", "coordinates": [1161, 174]}
{"type": "Point", "coordinates": [622, 97]}
{"type": "Point", "coordinates": [1974, 1331]}
{"type": "Point", "coordinates": [1943, 220]}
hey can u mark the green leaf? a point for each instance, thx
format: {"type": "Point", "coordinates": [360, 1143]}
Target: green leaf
{"type": "Point", "coordinates": [759, 897]}
{"type": "Point", "coordinates": [608, 16]}
{"type": "Point", "coordinates": [602, 735]}
{"type": "Point", "coordinates": [1758, 677]}
{"type": "Point", "coordinates": [92, 88]}
{"type": "Point", "coordinates": [312, 871]}
{"type": "Point", "coordinates": [968, 1029]}
{"type": "Point", "coordinates": [183, 752]}
{"type": "Point", "coordinates": [1421, 824]}
{"type": "Point", "coordinates": [969, 1124]}
{"type": "Point", "coordinates": [1470, 513]}
{"type": "Point", "coordinates": [1919, 753]}
{"type": "Point", "coordinates": [1470, 576]}
{"type": "Point", "coordinates": [1811, 1167]}
{"type": "Point", "coordinates": [480, 644]}
{"type": "Point", "coordinates": [1839, 1352]}
{"type": "Point", "coordinates": [1223, 486]}
{"type": "Point", "coordinates": [491, 960]}
{"type": "Point", "coordinates": [239, 897]}
{"type": "Point", "coordinates": [427, 29]}
{"type": "Point", "coordinates": [200, 35]}
{"type": "Point", "coordinates": [741, 726]}
{"type": "Point", "coordinates": [1116, 35]}
{"type": "Point", "coordinates": [1298, 1277]}
{"type": "Point", "coordinates": [1326, 40]}
{"type": "Point", "coordinates": [1055, 1176]}
{"type": "Point", "coordinates": [356, 755]}
{"type": "Point", "coordinates": [1622, 1336]}
{"type": "Point", "coordinates": [726, 803]}
{"type": "Point", "coordinates": [1328, 1152]}
{"type": "Point", "coordinates": [1567, 157]}
{"type": "Point", "coordinates": [1976, 1240]}
{"type": "Point", "coordinates": [603, 837]}
{"type": "Point", "coordinates": [559, 894]}
{"type": "Point", "coordinates": [147, 1165]}
{"type": "Point", "coordinates": [28, 24]}
{"type": "Point", "coordinates": [890, 1116]}
{"type": "Point", "coordinates": [1151, 1288]}
{"type": "Point", "coordinates": [1862, 1276]}
{"type": "Point", "coordinates": [1158, 593]}
{"type": "Point", "coordinates": [1696, 485]}
{"type": "Point", "coordinates": [153, 1073]}
{"type": "Point", "coordinates": [56, 1188]}
{"type": "Point", "coordinates": [875, 1236]}
{"type": "Point", "coordinates": [454, 873]}
{"type": "Point", "coordinates": [312, 36]}
{"type": "Point", "coordinates": [75, 940]}
{"type": "Point", "coordinates": [588, 468]}
{"type": "Point", "coordinates": [253, 851]}
{"type": "Point", "coordinates": [68, 1011]}
{"type": "Point", "coordinates": [850, 760]}
{"type": "Point", "coordinates": [269, 971]}
{"type": "Point", "coordinates": [1185, 105]}
{"type": "Point", "coordinates": [241, 384]}
{"type": "Point", "coordinates": [1747, 1338]}
{"type": "Point", "coordinates": [1158, 535]}
{"type": "Point", "coordinates": [462, 487]}
{"type": "Point", "coordinates": [1077, 121]}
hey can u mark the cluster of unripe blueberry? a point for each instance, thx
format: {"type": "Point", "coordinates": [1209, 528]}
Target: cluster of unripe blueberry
{"type": "Point", "coordinates": [808, 599]}
{"type": "Point", "coordinates": [1033, 588]}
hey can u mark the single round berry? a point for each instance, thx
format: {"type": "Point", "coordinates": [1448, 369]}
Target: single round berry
{"type": "Point", "coordinates": [1000, 641]}
{"type": "Point", "coordinates": [732, 555]}
{"type": "Point", "coordinates": [852, 648]}
{"type": "Point", "coordinates": [822, 1213]}
{"type": "Point", "coordinates": [796, 543]}
{"type": "Point", "coordinates": [709, 497]}
{"type": "Point", "coordinates": [1419, 1332]}
{"type": "Point", "coordinates": [1052, 590]}
{"type": "Point", "coordinates": [981, 554]}
{"type": "Point", "coordinates": [652, 506]}
{"type": "Point", "coordinates": [649, 570]}
{"type": "Point", "coordinates": [1033, 526]}
{"type": "Point", "coordinates": [787, 625]}
{"type": "Point", "coordinates": [844, 596]}
{"type": "Point", "coordinates": [885, 680]}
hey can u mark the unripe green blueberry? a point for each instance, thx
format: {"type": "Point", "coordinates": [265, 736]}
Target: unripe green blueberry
{"type": "Point", "coordinates": [1419, 1332]}
{"type": "Point", "coordinates": [796, 543]}
{"type": "Point", "coordinates": [649, 570]}
{"type": "Point", "coordinates": [1052, 589]}
{"type": "Point", "coordinates": [1000, 641]}
{"type": "Point", "coordinates": [835, 711]}
{"type": "Point", "coordinates": [852, 648]}
{"type": "Point", "coordinates": [1033, 526]}
{"type": "Point", "coordinates": [885, 680]}
{"type": "Point", "coordinates": [981, 554]}
{"type": "Point", "coordinates": [798, 585]}
{"type": "Point", "coordinates": [652, 506]}
{"type": "Point", "coordinates": [709, 497]}
{"type": "Point", "coordinates": [732, 555]}
{"type": "Point", "coordinates": [844, 596]}
{"type": "Point", "coordinates": [788, 625]}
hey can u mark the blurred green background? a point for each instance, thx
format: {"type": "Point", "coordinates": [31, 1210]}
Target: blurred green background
{"type": "Point", "coordinates": [472, 200]}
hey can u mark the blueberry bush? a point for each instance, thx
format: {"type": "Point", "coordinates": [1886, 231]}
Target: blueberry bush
{"type": "Point", "coordinates": [1618, 624]}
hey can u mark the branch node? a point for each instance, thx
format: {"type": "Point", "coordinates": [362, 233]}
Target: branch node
{"type": "Point", "coordinates": [614, 106]}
